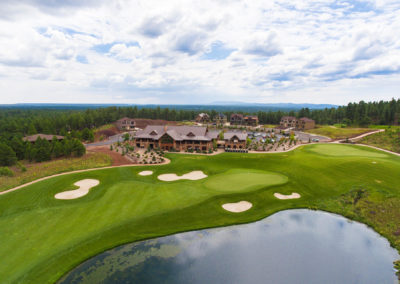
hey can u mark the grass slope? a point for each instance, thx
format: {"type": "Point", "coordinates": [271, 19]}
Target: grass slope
{"type": "Point", "coordinates": [39, 170]}
{"type": "Point", "coordinates": [43, 238]}
{"type": "Point", "coordinates": [338, 132]}
{"type": "Point", "coordinates": [389, 140]}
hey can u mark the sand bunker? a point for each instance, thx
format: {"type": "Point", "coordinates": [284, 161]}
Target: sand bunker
{"type": "Point", "coordinates": [146, 173]}
{"type": "Point", "coordinates": [374, 162]}
{"type": "Point", "coordinates": [195, 175]}
{"type": "Point", "coordinates": [294, 195]}
{"type": "Point", "coordinates": [84, 187]}
{"type": "Point", "coordinates": [237, 207]}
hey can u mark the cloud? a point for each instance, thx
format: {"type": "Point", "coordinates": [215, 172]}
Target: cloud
{"type": "Point", "coordinates": [190, 42]}
{"type": "Point", "coordinates": [186, 52]}
{"type": "Point", "coordinates": [263, 45]}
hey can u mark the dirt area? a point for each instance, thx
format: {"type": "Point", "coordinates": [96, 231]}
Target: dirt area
{"type": "Point", "coordinates": [142, 122]}
{"type": "Point", "coordinates": [105, 133]}
{"type": "Point", "coordinates": [117, 159]}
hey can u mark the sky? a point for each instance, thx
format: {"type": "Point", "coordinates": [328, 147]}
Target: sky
{"type": "Point", "coordinates": [199, 52]}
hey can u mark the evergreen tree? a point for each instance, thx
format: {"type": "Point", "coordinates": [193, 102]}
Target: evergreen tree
{"type": "Point", "coordinates": [7, 155]}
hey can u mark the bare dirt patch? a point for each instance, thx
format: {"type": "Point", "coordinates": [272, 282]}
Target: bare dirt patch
{"type": "Point", "coordinates": [294, 195]}
{"type": "Point", "coordinates": [84, 187]}
{"type": "Point", "coordinates": [195, 175]}
{"type": "Point", "coordinates": [237, 207]}
{"type": "Point", "coordinates": [117, 159]}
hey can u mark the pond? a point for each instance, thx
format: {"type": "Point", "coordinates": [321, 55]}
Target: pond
{"type": "Point", "coordinates": [293, 246]}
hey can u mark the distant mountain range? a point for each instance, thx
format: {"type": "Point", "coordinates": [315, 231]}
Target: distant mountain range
{"type": "Point", "coordinates": [276, 105]}
{"type": "Point", "coordinates": [217, 106]}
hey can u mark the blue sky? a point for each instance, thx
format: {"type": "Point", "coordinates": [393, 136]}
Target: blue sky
{"type": "Point", "coordinates": [191, 52]}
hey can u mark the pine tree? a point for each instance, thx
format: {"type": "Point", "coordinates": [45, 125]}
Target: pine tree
{"type": "Point", "coordinates": [7, 155]}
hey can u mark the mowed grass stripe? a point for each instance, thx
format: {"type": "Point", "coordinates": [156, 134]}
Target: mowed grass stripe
{"type": "Point", "coordinates": [42, 238]}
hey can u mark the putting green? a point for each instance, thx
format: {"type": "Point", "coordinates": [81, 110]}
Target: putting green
{"type": "Point", "coordinates": [242, 180]}
{"type": "Point", "coordinates": [345, 151]}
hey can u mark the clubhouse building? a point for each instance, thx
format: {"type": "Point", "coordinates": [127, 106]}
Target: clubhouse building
{"type": "Point", "coordinates": [180, 138]}
{"type": "Point", "coordinates": [185, 138]}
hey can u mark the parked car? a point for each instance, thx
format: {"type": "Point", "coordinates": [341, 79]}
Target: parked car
{"type": "Point", "coordinates": [315, 140]}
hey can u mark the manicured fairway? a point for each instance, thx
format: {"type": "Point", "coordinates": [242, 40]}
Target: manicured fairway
{"type": "Point", "coordinates": [344, 150]}
{"type": "Point", "coordinates": [42, 238]}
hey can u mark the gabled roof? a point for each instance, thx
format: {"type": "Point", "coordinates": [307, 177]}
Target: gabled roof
{"type": "Point", "coordinates": [230, 134]}
{"type": "Point", "coordinates": [124, 118]}
{"type": "Point", "coordinates": [288, 118]}
{"type": "Point", "coordinates": [178, 133]}
{"type": "Point", "coordinates": [306, 119]}
{"type": "Point", "coordinates": [238, 115]}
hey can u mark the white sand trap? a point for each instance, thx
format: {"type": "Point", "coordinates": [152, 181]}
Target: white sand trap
{"type": "Point", "coordinates": [146, 173]}
{"type": "Point", "coordinates": [84, 186]}
{"type": "Point", "coordinates": [294, 195]}
{"type": "Point", "coordinates": [374, 162]}
{"type": "Point", "coordinates": [195, 175]}
{"type": "Point", "coordinates": [237, 207]}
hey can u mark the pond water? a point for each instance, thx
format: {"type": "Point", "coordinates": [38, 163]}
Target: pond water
{"type": "Point", "coordinates": [294, 246]}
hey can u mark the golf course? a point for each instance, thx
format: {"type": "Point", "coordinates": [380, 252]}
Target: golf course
{"type": "Point", "coordinates": [42, 237]}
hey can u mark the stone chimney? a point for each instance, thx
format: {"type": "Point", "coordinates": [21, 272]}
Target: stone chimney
{"type": "Point", "coordinates": [165, 128]}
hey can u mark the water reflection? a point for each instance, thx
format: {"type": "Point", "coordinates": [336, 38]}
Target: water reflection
{"type": "Point", "coordinates": [296, 246]}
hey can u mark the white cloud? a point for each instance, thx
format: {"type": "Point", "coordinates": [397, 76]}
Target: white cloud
{"type": "Point", "coordinates": [148, 50]}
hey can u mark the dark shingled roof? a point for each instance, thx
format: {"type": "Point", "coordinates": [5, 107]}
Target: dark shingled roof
{"type": "Point", "coordinates": [33, 138]}
{"type": "Point", "coordinates": [178, 133]}
{"type": "Point", "coordinates": [240, 135]}
{"type": "Point", "coordinates": [306, 119]}
{"type": "Point", "coordinates": [288, 117]}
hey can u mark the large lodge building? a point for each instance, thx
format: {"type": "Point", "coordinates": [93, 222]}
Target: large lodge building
{"type": "Point", "coordinates": [180, 138]}
{"type": "Point", "coordinates": [184, 138]}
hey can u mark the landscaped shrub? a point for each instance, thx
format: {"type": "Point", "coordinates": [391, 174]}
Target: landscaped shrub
{"type": "Point", "coordinates": [5, 171]}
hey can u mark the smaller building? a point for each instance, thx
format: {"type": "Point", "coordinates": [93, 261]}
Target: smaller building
{"type": "Point", "coordinates": [235, 140]}
{"type": "Point", "coordinates": [202, 118]}
{"type": "Point", "coordinates": [220, 119]}
{"type": "Point", "coordinates": [288, 122]}
{"type": "Point", "coordinates": [305, 123]}
{"type": "Point", "coordinates": [125, 123]}
{"type": "Point", "coordinates": [250, 120]}
{"type": "Point", "coordinates": [47, 137]}
{"type": "Point", "coordinates": [236, 119]}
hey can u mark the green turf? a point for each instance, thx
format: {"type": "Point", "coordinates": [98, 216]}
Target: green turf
{"type": "Point", "coordinates": [243, 180]}
{"type": "Point", "coordinates": [344, 151]}
{"type": "Point", "coordinates": [43, 238]}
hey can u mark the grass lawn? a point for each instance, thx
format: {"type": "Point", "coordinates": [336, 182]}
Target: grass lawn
{"type": "Point", "coordinates": [39, 170]}
{"type": "Point", "coordinates": [334, 132]}
{"type": "Point", "coordinates": [43, 238]}
{"type": "Point", "coordinates": [389, 140]}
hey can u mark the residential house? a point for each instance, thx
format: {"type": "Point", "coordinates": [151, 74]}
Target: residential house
{"type": "Point", "coordinates": [305, 123]}
{"type": "Point", "coordinates": [250, 120]}
{"type": "Point", "coordinates": [47, 137]}
{"type": "Point", "coordinates": [288, 122]}
{"type": "Point", "coordinates": [125, 123]}
{"type": "Point", "coordinates": [236, 119]}
{"type": "Point", "coordinates": [202, 118]}
{"type": "Point", "coordinates": [180, 138]}
{"type": "Point", "coordinates": [220, 119]}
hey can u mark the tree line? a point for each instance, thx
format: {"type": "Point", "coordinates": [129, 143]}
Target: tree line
{"type": "Point", "coordinates": [39, 151]}
{"type": "Point", "coordinates": [16, 123]}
